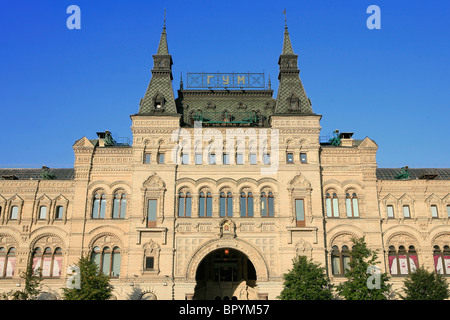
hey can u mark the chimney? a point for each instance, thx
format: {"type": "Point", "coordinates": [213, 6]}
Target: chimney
{"type": "Point", "coordinates": [346, 139]}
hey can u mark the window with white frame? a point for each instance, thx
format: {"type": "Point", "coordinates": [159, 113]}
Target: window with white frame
{"type": "Point", "coordinates": [434, 211]}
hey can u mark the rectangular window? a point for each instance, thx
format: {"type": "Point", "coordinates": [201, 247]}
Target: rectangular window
{"type": "Point", "coordinates": [95, 208]}
{"type": "Point", "coordinates": [406, 213]}
{"type": "Point", "coordinates": [348, 206]}
{"type": "Point", "coordinates": [266, 158]}
{"type": "Point", "coordinates": [59, 212]}
{"type": "Point", "coordinates": [151, 213]}
{"type": "Point", "coordinates": [149, 263]}
{"type": "Point", "coordinates": [303, 158]}
{"type": "Point", "coordinates": [239, 158]}
{"type": "Point", "coordinates": [225, 158]}
{"type": "Point", "coordinates": [246, 206]}
{"type": "Point", "coordinates": [328, 207]}
{"type": "Point", "coordinates": [198, 158]}
{"type": "Point", "coordinates": [390, 211]}
{"type": "Point", "coordinates": [355, 207]}
{"type": "Point", "coordinates": [184, 158]}
{"type": "Point", "coordinates": [335, 208]}
{"type": "Point", "coordinates": [116, 208]}
{"type": "Point", "coordinates": [42, 212]}
{"type": "Point", "coordinates": [212, 158]}
{"type": "Point", "coordinates": [102, 207]}
{"type": "Point", "coordinates": [289, 158]}
{"type": "Point", "coordinates": [14, 213]}
{"type": "Point", "coordinates": [448, 211]}
{"type": "Point", "coordinates": [434, 211]}
{"type": "Point", "coordinates": [161, 158]}
{"type": "Point", "coordinates": [147, 158]}
{"type": "Point", "coordinates": [253, 158]}
{"type": "Point", "coordinates": [300, 212]}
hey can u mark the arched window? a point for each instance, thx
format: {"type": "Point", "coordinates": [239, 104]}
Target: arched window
{"type": "Point", "coordinates": [99, 206]}
{"type": "Point", "coordinates": [246, 204]}
{"type": "Point", "coordinates": [108, 261]}
{"type": "Point", "coordinates": [267, 205]}
{"type": "Point", "coordinates": [442, 260]}
{"type": "Point", "coordinates": [205, 204]}
{"type": "Point", "coordinates": [184, 204]}
{"type": "Point", "coordinates": [14, 213]}
{"type": "Point", "coordinates": [390, 211]}
{"type": "Point", "coordinates": [7, 262]}
{"type": "Point", "coordinates": [42, 213]}
{"type": "Point", "coordinates": [340, 260]}
{"type": "Point", "coordinates": [402, 262]}
{"type": "Point", "coordinates": [332, 205]}
{"type": "Point", "coordinates": [49, 262]}
{"type": "Point", "coordinates": [226, 204]}
{"type": "Point", "coordinates": [406, 212]}
{"type": "Point", "coordinates": [351, 204]}
{"type": "Point", "coordinates": [119, 205]}
{"type": "Point", "coordinates": [59, 213]}
{"type": "Point", "coordinates": [434, 211]}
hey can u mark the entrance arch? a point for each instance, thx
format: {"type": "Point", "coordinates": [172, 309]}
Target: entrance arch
{"type": "Point", "coordinates": [253, 254]}
{"type": "Point", "coordinates": [226, 273]}
{"type": "Point", "coordinates": [226, 267]}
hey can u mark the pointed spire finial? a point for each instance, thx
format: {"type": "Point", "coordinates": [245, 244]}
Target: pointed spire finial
{"type": "Point", "coordinates": [164, 27]}
{"type": "Point", "coordinates": [181, 81]}
{"type": "Point", "coordinates": [285, 19]}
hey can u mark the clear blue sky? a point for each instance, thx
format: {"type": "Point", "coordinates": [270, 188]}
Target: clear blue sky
{"type": "Point", "coordinates": [58, 85]}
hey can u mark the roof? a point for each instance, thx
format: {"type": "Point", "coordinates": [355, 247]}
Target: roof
{"type": "Point", "coordinates": [35, 174]}
{"type": "Point", "coordinates": [213, 103]}
{"type": "Point", "coordinates": [414, 173]}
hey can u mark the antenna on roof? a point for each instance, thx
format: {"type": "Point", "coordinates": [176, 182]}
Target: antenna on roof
{"type": "Point", "coordinates": [285, 19]}
{"type": "Point", "coordinates": [164, 27]}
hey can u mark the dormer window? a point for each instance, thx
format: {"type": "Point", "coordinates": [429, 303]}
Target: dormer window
{"type": "Point", "coordinates": [293, 103]}
{"type": "Point", "coordinates": [159, 102]}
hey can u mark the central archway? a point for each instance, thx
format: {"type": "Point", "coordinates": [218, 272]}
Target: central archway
{"type": "Point", "coordinates": [251, 263]}
{"type": "Point", "coordinates": [225, 274]}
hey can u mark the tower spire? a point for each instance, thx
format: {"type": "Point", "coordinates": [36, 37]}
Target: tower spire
{"type": "Point", "coordinates": [159, 98]}
{"type": "Point", "coordinates": [287, 46]}
{"type": "Point", "coordinates": [291, 97]}
{"type": "Point", "coordinates": [163, 48]}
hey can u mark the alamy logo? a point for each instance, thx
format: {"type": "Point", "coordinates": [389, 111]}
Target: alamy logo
{"type": "Point", "coordinates": [374, 21]}
{"type": "Point", "coordinates": [74, 277]}
{"type": "Point", "coordinates": [74, 21]}
{"type": "Point", "coordinates": [374, 280]}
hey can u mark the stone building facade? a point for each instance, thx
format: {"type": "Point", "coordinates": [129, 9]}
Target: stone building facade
{"type": "Point", "coordinates": [218, 192]}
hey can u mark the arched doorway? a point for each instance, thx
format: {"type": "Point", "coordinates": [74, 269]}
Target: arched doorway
{"type": "Point", "coordinates": [225, 273]}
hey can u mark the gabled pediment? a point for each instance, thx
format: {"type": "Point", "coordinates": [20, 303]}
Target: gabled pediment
{"type": "Point", "coordinates": [83, 142]}
{"type": "Point", "coordinates": [368, 143]}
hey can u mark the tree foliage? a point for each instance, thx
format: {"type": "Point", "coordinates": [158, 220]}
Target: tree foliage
{"type": "Point", "coordinates": [362, 284]}
{"type": "Point", "coordinates": [32, 285]}
{"type": "Point", "coordinates": [94, 284]}
{"type": "Point", "coordinates": [425, 285]}
{"type": "Point", "coordinates": [306, 281]}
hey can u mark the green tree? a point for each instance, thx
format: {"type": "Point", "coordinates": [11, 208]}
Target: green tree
{"type": "Point", "coordinates": [425, 285]}
{"type": "Point", "coordinates": [362, 284]}
{"type": "Point", "coordinates": [306, 281]}
{"type": "Point", "coordinates": [94, 284]}
{"type": "Point", "coordinates": [32, 288]}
